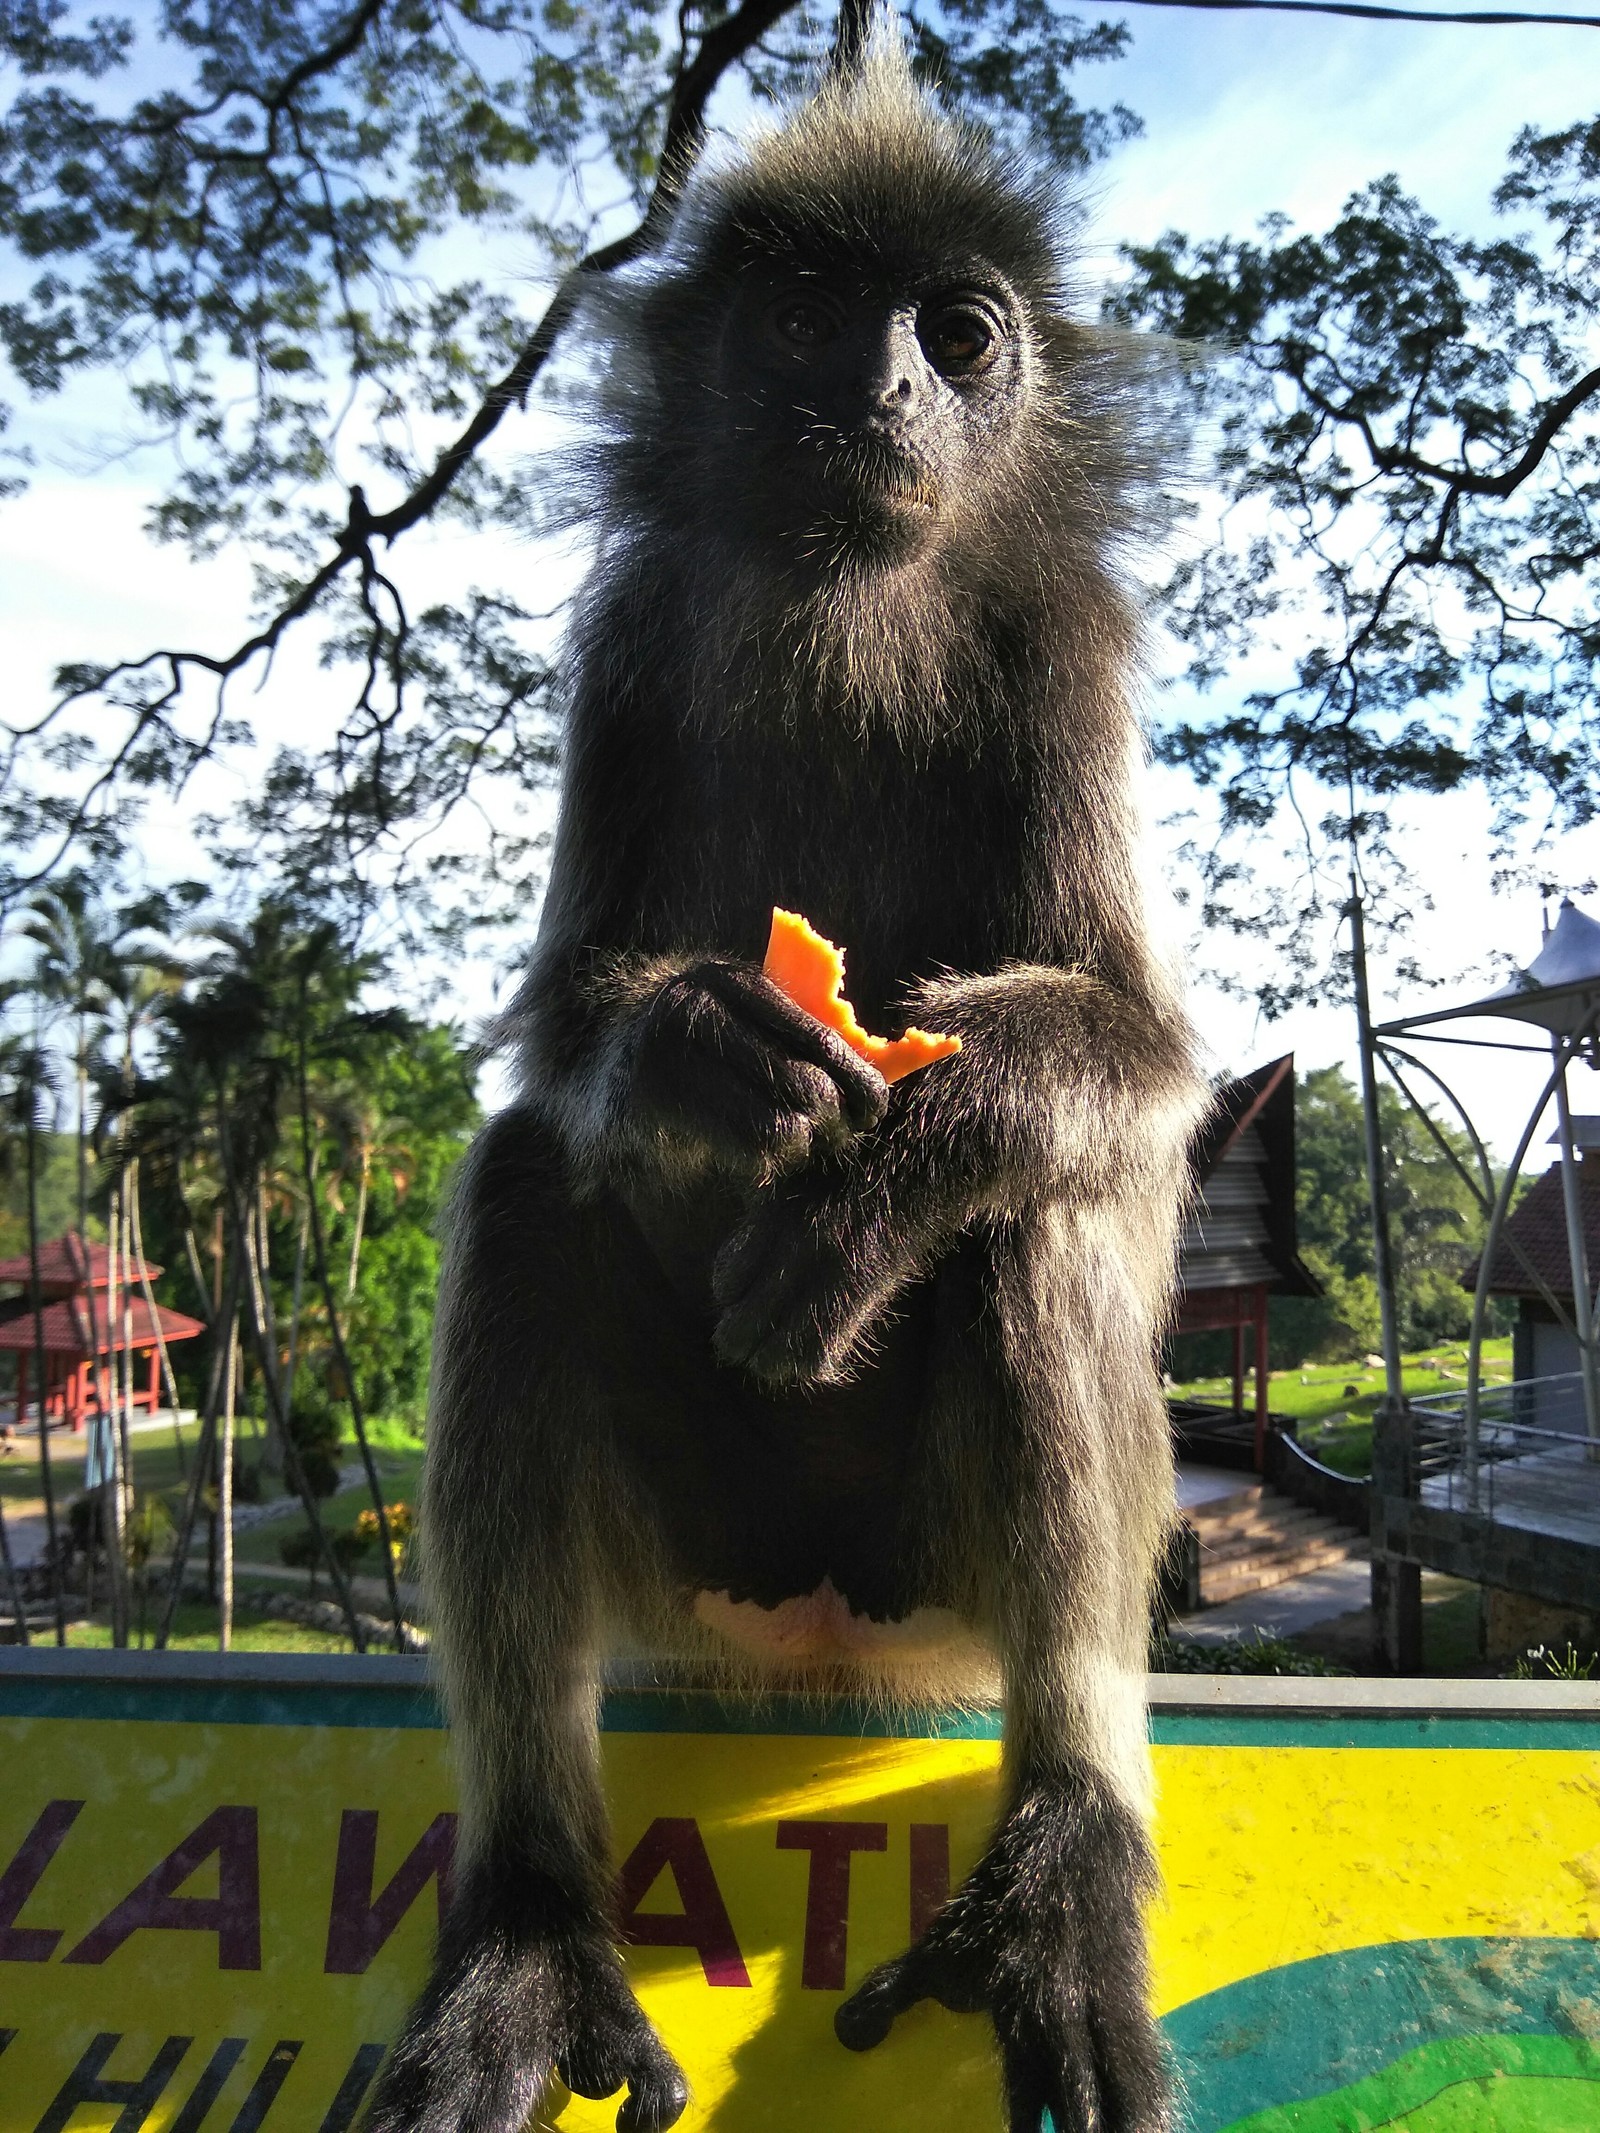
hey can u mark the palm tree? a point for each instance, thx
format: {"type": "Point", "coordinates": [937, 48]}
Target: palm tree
{"type": "Point", "coordinates": [85, 958]}
{"type": "Point", "coordinates": [364, 1138]}
{"type": "Point", "coordinates": [231, 1028]}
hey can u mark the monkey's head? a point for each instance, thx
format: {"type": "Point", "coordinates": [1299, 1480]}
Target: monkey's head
{"type": "Point", "coordinates": [857, 348]}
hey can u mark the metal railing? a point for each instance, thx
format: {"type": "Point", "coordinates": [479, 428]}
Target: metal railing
{"type": "Point", "coordinates": [1528, 1431]}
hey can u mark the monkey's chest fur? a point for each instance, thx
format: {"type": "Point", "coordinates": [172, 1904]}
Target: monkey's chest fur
{"type": "Point", "coordinates": [920, 857]}
{"type": "Point", "coordinates": [766, 1497]}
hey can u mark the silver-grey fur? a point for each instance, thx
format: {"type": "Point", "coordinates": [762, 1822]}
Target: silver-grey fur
{"type": "Point", "coordinates": [733, 1338]}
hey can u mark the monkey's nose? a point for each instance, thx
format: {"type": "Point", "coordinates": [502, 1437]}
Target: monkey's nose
{"type": "Point", "coordinates": [891, 380]}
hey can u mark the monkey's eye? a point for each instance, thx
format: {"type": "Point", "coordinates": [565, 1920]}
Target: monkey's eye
{"type": "Point", "coordinates": [958, 339]}
{"type": "Point", "coordinates": [804, 322]}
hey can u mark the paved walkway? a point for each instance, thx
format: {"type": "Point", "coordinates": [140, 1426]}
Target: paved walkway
{"type": "Point", "coordinates": [1284, 1610]}
{"type": "Point", "coordinates": [1199, 1485]}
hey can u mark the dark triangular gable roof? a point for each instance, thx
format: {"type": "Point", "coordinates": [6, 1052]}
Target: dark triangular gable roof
{"type": "Point", "coordinates": [1263, 1100]}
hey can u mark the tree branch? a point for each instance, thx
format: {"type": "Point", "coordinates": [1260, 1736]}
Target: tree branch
{"type": "Point", "coordinates": [682, 140]}
{"type": "Point", "coordinates": [1461, 479]}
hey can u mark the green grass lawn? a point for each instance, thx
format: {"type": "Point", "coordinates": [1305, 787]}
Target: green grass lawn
{"type": "Point", "coordinates": [1333, 1402]}
{"type": "Point", "coordinates": [399, 1471]}
{"type": "Point", "coordinates": [155, 1462]}
{"type": "Point", "coordinates": [195, 1630]}
{"type": "Point", "coordinates": [397, 1452]}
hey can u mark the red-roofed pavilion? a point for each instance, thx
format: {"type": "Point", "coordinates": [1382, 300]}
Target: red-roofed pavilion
{"type": "Point", "coordinates": [68, 1272]}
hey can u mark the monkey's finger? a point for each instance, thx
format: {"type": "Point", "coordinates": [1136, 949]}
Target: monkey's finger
{"type": "Point", "coordinates": [866, 1093]}
{"type": "Point", "coordinates": [1131, 2079]}
{"type": "Point", "coordinates": [863, 1092]}
{"type": "Point", "coordinates": [799, 1090]}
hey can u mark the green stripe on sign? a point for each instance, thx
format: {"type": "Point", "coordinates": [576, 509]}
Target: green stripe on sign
{"type": "Point", "coordinates": [1341, 1729]}
{"type": "Point", "coordinates": [1298, 2038]}
{"type": "Point", "coordinates": [216, 1703]}
{"type": "Point", "coordinates": [1512, 2084]}
{"type": "Point", "coordinates": [151, 1693]}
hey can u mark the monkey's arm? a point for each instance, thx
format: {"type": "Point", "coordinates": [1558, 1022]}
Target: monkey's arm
{"type": "Point", "coordinates": [1065, 1087]}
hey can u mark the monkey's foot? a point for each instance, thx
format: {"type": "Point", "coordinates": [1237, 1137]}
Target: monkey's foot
{"type": "Point", "coordinates": [1046, 1940]}
{"type": "Point", "coordinates": [495, 2021]}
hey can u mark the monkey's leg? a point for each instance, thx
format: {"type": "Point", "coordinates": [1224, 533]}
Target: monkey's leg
{"type": "Point", "coordinates": [522, 1525]}
{"type": "Point", "coordinates": [1057, 1446]}
{"type": "Point", "coordinates": [1045, 1937]}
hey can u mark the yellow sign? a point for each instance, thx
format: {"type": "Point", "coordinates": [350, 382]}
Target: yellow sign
{"type": "Point", "coordinates": [218, 1887]}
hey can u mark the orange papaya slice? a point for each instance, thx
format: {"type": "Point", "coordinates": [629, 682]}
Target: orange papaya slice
{"type": "Point", "coordinates": [801, 963]}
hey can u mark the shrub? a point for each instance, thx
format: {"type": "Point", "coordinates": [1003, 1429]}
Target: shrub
{"type": "Point", "coordinates": [314, 1431]}
{"type": "Point", "coordinates": [1540, 1663]}
{"type": "Point", "coordinates": [1237, 1655]}
{"type": "Point", "coordinates": [402, 1524]}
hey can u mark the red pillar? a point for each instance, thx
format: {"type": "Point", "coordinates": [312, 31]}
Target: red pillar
{"type": "Point", "coordinates": [22, 1383]}
{"type": "Point", "coordinates": [154, 1399]}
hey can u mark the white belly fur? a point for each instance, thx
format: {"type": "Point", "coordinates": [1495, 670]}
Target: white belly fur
{"type": "Point", "coordinates": [931, 1654]}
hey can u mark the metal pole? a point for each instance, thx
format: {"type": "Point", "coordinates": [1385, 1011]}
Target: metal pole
{"type": "Point", "coordinates": [1577, 1250]}
{"type": "Point", "coordinates": [1396, 1583]}
{"type": "Point", "coordinates": [1382, 1260]}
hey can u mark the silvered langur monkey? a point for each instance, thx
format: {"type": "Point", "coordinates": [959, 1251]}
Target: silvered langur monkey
{"type": "Point", "coordinates": [744, 1356]}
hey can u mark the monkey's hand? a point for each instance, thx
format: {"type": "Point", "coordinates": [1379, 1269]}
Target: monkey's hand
{"type": "Point", "coordinates": [724, 1060]}
{"type": "Point", "coordinates": [501, 2013]}
{"type": "Point", "coordinates": [805, 1278]}
{"type": "Point", "coordinates": [1045, 1938]}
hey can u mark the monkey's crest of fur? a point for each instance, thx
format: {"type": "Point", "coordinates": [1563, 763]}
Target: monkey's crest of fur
{"type": "Point", "coordinates": [872, 176]}
{"type": "Point", "coordinates": [871, 165]}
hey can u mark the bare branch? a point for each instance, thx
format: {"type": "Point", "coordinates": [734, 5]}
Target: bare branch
{"type": "Point", "coordinates": [721, 47]}
{"type": "Point", "coordinates": [1389, 460]}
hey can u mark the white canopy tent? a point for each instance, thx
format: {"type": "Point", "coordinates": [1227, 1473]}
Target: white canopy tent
{"type": "Point", "coordinates": [1558, 991]}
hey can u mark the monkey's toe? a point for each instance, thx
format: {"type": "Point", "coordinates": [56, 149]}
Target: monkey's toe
{"type": "Point", "coordinates": [614, 2046]}
{"type": "Point", "coordinates": [600, 2065]}
{"type": "Point", "coordinates": [656, 2099]}
{"type": "Point", "coordinates": [1073, 2064]}
{"type": "Point", "coordinates": [867, 2017]}
{"type": "Point", "coordinates": [922, 1971]}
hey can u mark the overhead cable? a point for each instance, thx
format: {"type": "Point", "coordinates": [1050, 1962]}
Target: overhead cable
{"type": "Point", "coordinates": [1480, 19]}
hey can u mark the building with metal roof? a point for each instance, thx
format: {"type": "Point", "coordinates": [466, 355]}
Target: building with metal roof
{"type": "Point", "coordinates": [1240, 1244]}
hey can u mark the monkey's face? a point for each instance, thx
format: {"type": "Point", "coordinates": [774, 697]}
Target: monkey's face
{"type": "Point", "coordinates": [867, 411]}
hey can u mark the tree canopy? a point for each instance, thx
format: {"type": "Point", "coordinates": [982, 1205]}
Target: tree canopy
{"type": "Point", "coordinates": [282, 238]}
{"type": "Point", "coordinates": [1405, 429]}
{"type": "Point", "coordinates": [273, 228]}
{"type": "Point", "coordinates": [1435, 1225]}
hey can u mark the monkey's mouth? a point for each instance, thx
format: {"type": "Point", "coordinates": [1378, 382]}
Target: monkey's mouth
{"type": "Point", "coordinates": [881, 478]}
